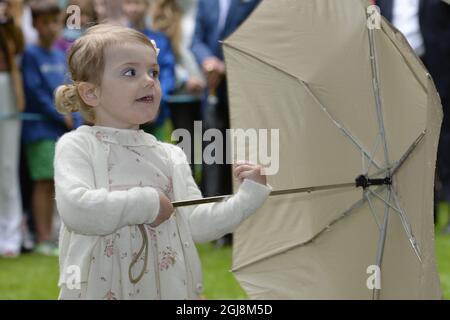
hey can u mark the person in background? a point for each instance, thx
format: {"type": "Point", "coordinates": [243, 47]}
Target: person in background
{"type": "Point", "coordinates": [426, 25]}
{"type": "Point", "coordinates": [176, 19]}
{"type": "Point", "coordinates": [88, 18]}
{"type": "Point", "coordinates": [43, 70]}
{"type": "Point", "coordinates": [11, 101]}
{"type": "Point", "coordinates": [30, 34]}
{"type": "Point", "coordinates": [137, 13]}
{"type": "Point", "coordinates": [21, 12]}
{"type": "Point", "coordinates": [100, 10]}
{"type": "Point", "coordinates": [215, 20]}
{"type": "Point", "coordinates": [110, 11]}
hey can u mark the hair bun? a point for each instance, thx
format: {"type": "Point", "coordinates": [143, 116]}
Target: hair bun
{"type": "Point", "coordinates": [67, 99]}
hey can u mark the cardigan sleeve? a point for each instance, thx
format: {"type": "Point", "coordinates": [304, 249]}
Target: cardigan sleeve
{"type": "Point", "coordinates": [87, 209]}
{"type": "Point", "coordinates": [211, 221]}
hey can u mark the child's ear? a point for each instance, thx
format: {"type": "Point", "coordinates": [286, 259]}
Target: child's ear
{"type": "Point", "coordinates": [89, 93]}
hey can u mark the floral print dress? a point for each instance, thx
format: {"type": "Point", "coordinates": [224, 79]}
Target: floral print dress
{"type": "Point", "coordinates": [145, 262]}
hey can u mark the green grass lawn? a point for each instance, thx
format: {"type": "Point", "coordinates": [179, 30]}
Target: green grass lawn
{"type": "Point", "coordinates": [443, 262]}
{"type": "Point", "coordinates": [34, 277]}
{"type": "Point", "coordinates": [443, 249]}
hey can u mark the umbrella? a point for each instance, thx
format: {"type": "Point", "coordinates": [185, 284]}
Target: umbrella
{"type": "Point", "coordinates": [351, 102]}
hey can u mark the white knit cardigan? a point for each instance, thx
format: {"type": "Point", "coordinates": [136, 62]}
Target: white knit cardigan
{"type": "Point", "coordinates": [89, 211]}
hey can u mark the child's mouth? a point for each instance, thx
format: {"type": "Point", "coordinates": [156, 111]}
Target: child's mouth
{"type": "Point", "coordinates": [146, 99]}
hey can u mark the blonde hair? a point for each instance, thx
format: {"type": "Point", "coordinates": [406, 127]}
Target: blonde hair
{"type": "Point", "coordinates": [86, 63]}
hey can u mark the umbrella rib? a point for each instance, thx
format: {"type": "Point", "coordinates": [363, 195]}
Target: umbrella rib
{"type": "Point", "coordinates": [384, 200]}
{"type": "Point", "coordinates": [377, 92]}
{"type": "Point", "coordinates": [372, 156]}
{"type": "Point", "coordinates": [379, 172]}
{"type": "Point", "coordinates": [408, 152]}
{"type": "Point", "coordinates": [403, 158]}
{"type": "Point", "coordinates": [343, 215]}
{"type": "Point", "coordinates": [340, 126]}
{"type": "Point", "coordinates": [372, 211]}
{"type": "Point", "coordinates": [405, 59]}
{"type": "Point", "coordinates": [407, 228]}
{"type": "Point", "coordinates": [362, 160]}
{"type": "Point", "coordinates": [404, 220]}
{"type": "Point", "coordinates": [381, 244]}
{"type": "Point", "coordinates": [335, 122]}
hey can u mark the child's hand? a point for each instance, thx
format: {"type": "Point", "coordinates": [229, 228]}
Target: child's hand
{"type": "Point", "coordinates": [165, 210]}
{"type": "Point", "coordinates": [248, 170]}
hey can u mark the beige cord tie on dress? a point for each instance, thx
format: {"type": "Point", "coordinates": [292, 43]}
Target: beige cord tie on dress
{"type": "Point", "coordinates": [144, 246]}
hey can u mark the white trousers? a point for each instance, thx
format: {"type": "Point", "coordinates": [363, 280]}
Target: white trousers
{"type": "Point", "coordinates": [10, 197]}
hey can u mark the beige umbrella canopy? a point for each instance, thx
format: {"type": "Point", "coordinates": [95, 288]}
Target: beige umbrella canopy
{"type": "Point", "coordinates": [348, 100]}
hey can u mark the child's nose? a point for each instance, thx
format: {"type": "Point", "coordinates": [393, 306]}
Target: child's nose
{"type": "Point", "coordinates": [149, 81]}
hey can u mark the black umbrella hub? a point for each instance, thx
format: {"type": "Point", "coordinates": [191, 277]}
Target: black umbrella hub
{"type": "Point", "coordinates": [364, 181]}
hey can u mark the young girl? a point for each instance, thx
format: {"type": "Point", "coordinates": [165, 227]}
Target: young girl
{"type": "Point", "coordinates": [121, 238]}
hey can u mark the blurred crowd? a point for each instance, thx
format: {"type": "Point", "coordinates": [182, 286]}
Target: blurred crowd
{"type": "Point", "coordinates": [35, 39]}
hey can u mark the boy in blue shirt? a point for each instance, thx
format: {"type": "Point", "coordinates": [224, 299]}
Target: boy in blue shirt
{"type": "Point", "coordinates": [43, 70]}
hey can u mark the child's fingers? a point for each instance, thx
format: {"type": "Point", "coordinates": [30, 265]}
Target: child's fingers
{"type": "Point", "coordinates": [240, 164]}
{"type": "Point", "coordinates": [240, 168]}
{"type": "Point", "coordinates": [237, 166]}
{"type": "Point", "coordinates": [244, 174]}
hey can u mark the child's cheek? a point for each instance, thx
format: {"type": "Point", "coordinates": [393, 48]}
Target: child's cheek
{"type": "Point", "coordinates": [158, 94]}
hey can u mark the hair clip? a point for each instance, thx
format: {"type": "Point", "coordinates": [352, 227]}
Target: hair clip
{"type": "Point", "coordinates": [154, 46]}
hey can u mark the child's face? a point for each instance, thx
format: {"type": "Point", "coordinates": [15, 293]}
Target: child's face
{"type": "Point", "coordinates": [135, 10]}
{"type": "Point", "coordinates": [48, 27]}
{"type": "Point", "coordinates": [130, 91]}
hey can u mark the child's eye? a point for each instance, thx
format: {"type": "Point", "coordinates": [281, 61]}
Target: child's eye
{"type": "Point", "coordinates": [154, 74]}
{"type": "Point", "coordinates": [130, 73]}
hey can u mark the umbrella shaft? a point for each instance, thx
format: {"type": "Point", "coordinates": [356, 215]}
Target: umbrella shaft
{"type": "Point", "coordinates": [361, 181]}
{"type": "Point", "coordinates": [273, 193]}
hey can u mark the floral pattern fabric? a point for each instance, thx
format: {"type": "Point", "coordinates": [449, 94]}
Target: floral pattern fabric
{"type": "Point", "coordinates": [134, 162]}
